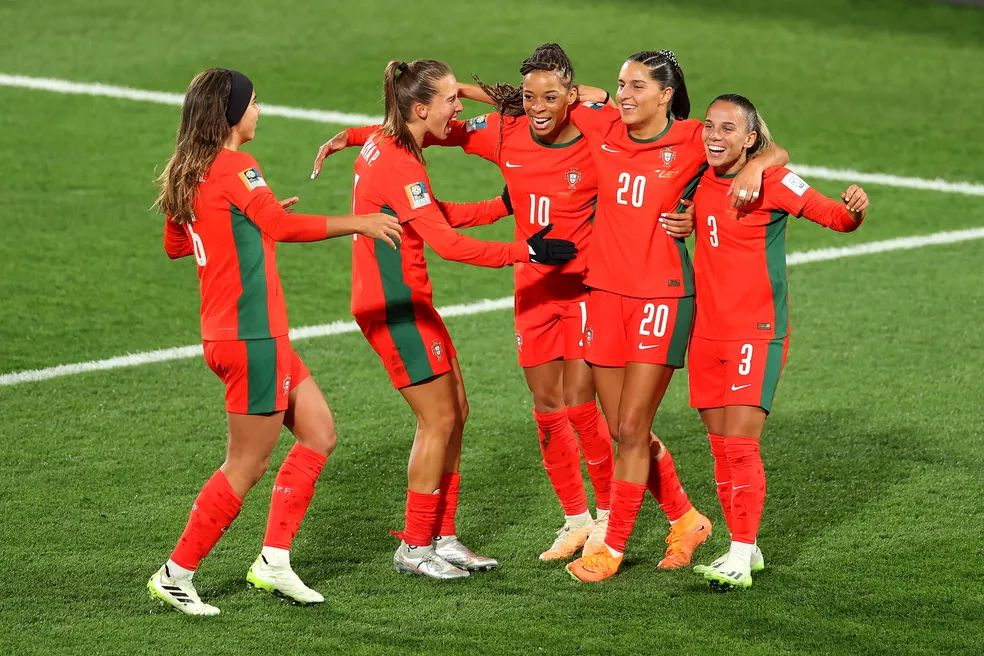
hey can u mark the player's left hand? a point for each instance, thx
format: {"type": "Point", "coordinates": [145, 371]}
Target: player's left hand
{"type": "Point", "coordinates": [679, 225]}
{"type": "Point", "coordinates": [333, 145]}
{"type": "Point", "coordinates": [288, 204]}
{"type": "Point", "coordinates": [746, 186]}
{"type": "Point", "coordinates": [856, 199]}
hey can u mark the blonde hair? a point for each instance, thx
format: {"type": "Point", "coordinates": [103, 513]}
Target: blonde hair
{"type": "Point", "coordinates": [754, 122]}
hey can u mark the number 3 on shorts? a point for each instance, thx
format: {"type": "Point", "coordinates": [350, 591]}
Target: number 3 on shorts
{"type": "Point", "coordinates": [745, 364]}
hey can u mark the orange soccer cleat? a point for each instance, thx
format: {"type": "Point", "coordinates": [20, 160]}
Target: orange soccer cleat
{"type": "Point", "coordinates": [686, 534]}
{"type": "Point", "coordinates": [594, 567]}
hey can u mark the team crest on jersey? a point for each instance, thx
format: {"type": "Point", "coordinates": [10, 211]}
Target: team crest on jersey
{"type": "Point", "coordinates": [519, 342]}
{"type": "Point", "coordinates": [417, 195]}
{"type": "Point", "coordinates": [668, 155]}
{"type": "Point", "coordinates": [437, 349]}
{"type": "Point", "coordinates": [252, 179]}
{"type": "Point", "coordinates": [589, 335]}
{"type": "Point", "coordinates": [573, 177]}
{"type": "Point", "coordinates": [477, 123]}
{"type": "Point", "coordinates": [287, 385]}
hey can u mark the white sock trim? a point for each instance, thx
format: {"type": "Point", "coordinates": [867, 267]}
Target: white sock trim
{"type": "Point", "coordinates": [275, 556]}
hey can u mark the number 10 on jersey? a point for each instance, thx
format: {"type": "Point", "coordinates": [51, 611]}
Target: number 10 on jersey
{"type": "Point", "coordinates": [539, 210]}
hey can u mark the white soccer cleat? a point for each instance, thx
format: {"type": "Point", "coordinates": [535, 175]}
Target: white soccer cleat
{"type": "Point", "coordinates": [596, 541]}
{"type": "Point", "coordinates": [756, 564]}
{"type": "Point", "coordinates": [451, 549]}
{"type": "Point", "coordinates": [570, 538]}
{"type": "Point", "coordinates": [179, 593]}
{"type": "Point", "coordinates": [281, 581]}
{"type": "Point", "coordinates": [424, 561]}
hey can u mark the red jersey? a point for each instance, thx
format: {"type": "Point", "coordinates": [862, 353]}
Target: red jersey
{"type": "Point", "coordinates": [388, 283]}
{"type": "Point", "coordinates": [740, 257]}
{"type": "Point", "coordinates": [233, 238]}
{"type": "Point", "coordinates": [638, 180]}
{"type": "Point", "coordinates": [548, 184]}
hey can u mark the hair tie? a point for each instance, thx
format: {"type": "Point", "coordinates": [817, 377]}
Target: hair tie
{"type": "Point", "coordinates": [669, 56]}
{"type": "Point", "coordinates": [240, 94]}
{"type": "Point", "coordinates": [403, 67]}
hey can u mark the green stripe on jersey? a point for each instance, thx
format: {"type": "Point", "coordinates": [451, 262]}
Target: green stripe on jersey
{"type": "Point", "coordinates": [261, 370]}
{"type": "Point", "coordinates": [775, 257]}
{"type": "Point", "coordinates": [254, 317]}
{"type": "Point", "coordinates": [686, 266]}
{"type": "Point", "coordinates": [682, 328]}
{"type": "Point", "coordinates": [400, 317]}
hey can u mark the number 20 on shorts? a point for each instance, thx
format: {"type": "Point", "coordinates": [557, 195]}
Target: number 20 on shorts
{"type": "Point", "coordinates": [654, 319]}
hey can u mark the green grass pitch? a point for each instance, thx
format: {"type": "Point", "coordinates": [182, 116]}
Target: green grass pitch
{"type": "Point", "coordinates": [873, 524]}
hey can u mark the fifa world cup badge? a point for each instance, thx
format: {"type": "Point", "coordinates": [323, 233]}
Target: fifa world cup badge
{"type": "Point", "coordinates": [573, 177]}
{"type": "Point", "coordinates": [667, 155]}
{"type": "Point", "coordinates": [437, 349]}
{"type": "Point", "coordinates": [519, 342]}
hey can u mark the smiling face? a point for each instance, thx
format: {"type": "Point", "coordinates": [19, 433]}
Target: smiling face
{"type": "Point", "coordinates": [442, 109]}
{"type": "Point", "coordinates": [546, 101]}
{"type": "Point", "coordinates": [641, 99]}
{"type": "Point", "coordinates": [246, 127]}
{"type": "Point", "coordinates": [726, 137]}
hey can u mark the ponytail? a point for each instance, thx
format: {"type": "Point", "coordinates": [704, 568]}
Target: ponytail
{"type": "Point", "coordinates": [754, 122]}
{"type": "Point", "coordinates": [405, 84]}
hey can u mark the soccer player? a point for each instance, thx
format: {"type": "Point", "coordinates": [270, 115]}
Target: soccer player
{"type": "Point", "coordinates": [550, 180]}
{"type": "Point", "coordinates": [641, 305]}
{"type": "Point", "coordinates": [741, 334]}
{"type": "Point", "coordinates": [392, 301]}
{"type": "Point", "coordinates": [220, 210]}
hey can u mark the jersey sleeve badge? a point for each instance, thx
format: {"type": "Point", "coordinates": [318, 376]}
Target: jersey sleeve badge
{"type": "Point", "coordinates": [593, 105]}
{"type": "Point", "coordinates": [795, 183]}
{"type": "Point", "coordinates": [252, 178]}
{"type": "Point", "coordinates": [477, 123]}
{"type": "Point", "coordinates": [417, 195]}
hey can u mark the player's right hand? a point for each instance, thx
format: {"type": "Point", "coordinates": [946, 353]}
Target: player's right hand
{"type": "Point", "coordinates": [679, 225]}
{"type": "Point", "coordinates": [336, 143]}
{"type": "Point", "coordinates": [382, 226]}
{"type": "Point", "coordinates": [550, 251]}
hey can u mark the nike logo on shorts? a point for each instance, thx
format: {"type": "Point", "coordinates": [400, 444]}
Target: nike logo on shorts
{"type": "Point", "coordinates": [739, 387]}
{"type": "Point", "coordinates": [510, 165]}
{"type": "Point", "coordinates": [646, 347]}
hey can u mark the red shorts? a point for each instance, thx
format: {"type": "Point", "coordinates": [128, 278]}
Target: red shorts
{"type": "Point", "coordinates": [411, 351]}
{"type": "Point", "coordinates": [258, 373]}
{"type": "Point", "coordinates": [623, 329]}
{"type": "Point", "coordinates": [735, 372]}
{"type": "Point", "coordinates": [549, 330]}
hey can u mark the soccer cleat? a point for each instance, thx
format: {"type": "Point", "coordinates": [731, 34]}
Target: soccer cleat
{"type": "Point", "coordinates": [757, 562]}
{"type": "Point", "coordinates": [685, 536]}
{"type": "Point", "coordinates": [570, 538]}
{"type": "Point", "coordinates": [178, 593]}
{"type": "Point", "coordinates": [424, 561]}
{"type": "Point", "coordinates": [596, 541]}
{"type": "Point", "coordinates": [728, 574]}
{"type": "Point", "coordinates": [281, 581]}
{"type": "Point", "coordinates": [594, 567]}
{"type": "Point", "coordinates": [451, 549]}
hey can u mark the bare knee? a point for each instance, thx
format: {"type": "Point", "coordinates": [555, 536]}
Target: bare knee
{"type": "Point", "coordinates": [633, 431]}
{"type": "Point", "coordinates": [244, 472]}
{"type": "Point", "coordinates": [548, 401]}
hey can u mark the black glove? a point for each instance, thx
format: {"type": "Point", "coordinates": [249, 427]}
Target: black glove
{"type": "Point", "coordinates": [506, 199]}
{"type": "Point", "coordinates": [550, 251]}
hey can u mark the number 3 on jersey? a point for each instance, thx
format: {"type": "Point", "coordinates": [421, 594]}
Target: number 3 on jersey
{"type": "Point", "coordinates": [539, 210]}
{"type": "Point", "coordinates": [638, 185]}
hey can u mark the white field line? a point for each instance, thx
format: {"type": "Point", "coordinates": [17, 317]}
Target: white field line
{"type": "Point", "coordinates": [342, 118]}
{"type": "Point", "coordinates": [480, 307]}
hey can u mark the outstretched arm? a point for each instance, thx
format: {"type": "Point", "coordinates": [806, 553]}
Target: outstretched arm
{"type": "Point", "coordinates": [485, 212]}
{"type": "Point", "coordinates": [846, 217]}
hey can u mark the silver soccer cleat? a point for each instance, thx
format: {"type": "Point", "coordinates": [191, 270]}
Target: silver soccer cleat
{"type": "Point", "coordinates": [450, 548]}
{"type": "Point", "coordinates": [424, 561]}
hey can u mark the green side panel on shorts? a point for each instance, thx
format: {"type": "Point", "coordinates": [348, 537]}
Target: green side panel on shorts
{"type": "Point", "coordinates": [400, 317]}
{"type": "Point", "coordinates": [261, 367]}
{"type": "Point", "coordinates": [775, 256]}
{"type": "Point", "coordinates": [681, 332]}
{"type": "Point", "coordinates": [686, 265]}
{"type": "Point", "coordinates": [773, 369]}
{"type": "Point", "coordinates": [254, 318]}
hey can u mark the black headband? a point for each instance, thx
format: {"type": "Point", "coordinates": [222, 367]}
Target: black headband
{"type": "Point", "coordinates": [240, 94]}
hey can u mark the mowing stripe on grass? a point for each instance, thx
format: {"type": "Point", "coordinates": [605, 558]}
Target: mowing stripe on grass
{"type": "Point", "coordinates": [344, 118]}
{"type": "Point", "coordinates": [478, 307]}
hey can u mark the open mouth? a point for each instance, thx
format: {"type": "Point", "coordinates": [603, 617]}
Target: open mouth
{"type": "Point", "coordinates": [716, 150]}
{"type": "Point", "coordinates": [540, 122]}
{"type": "Point", "coordinates": [628, 107]}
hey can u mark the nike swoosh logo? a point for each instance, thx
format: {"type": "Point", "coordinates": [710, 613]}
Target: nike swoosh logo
{"type": "Point", "coordinates": [739, 487]}
{"type": "Point", "coordinates": [597, 462]}
{"type": "Point", "coordinates": [739, 387]}
{"type": "Point", "coordinates": [510, 165]}
{"type": "Point", "coordinates": [609, 150]}
{"type": "Point", "coordinates": [646, 347]}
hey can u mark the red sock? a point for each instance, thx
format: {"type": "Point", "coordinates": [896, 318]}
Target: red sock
{"type": "Point", "coordinates": [664, 484]}
{"type": "Point", "coordinates": [213, 511]}
{"type": "Point", "coordinates": [421, 518]}
{"type": "Point", "coordinates": [448, 505]}
{"type": "Point", "coordinates": [747, 487]}
{"type": "Point", "coordinates": [626, 501]}
{"type": "Point", "coordinates": [292, 492]}
{"type": "Point", "coordinates": [561, 460]}
{"type": "Point", "coordinates": [596, 447]}
{"type": "Point", "coordinates": [722, 474]}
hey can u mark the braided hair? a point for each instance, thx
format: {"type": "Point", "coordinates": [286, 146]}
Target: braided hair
{"type": "Point", "coordinates": [665, 69]}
